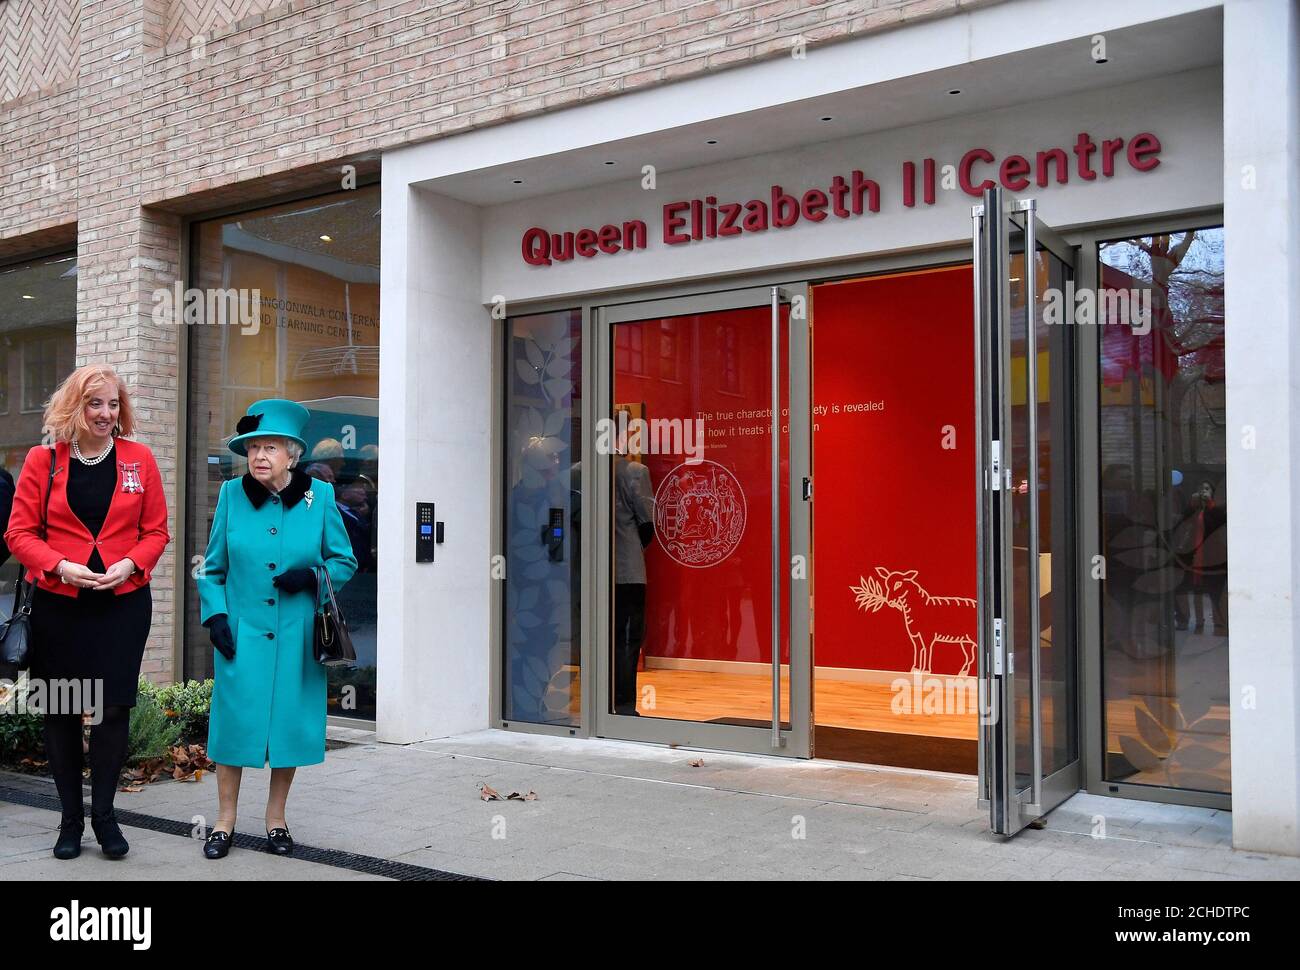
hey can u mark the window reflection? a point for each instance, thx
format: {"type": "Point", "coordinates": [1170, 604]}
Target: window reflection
{"type": "Point", "coordinates": [1164, 509]}
{"type": "Point", "coordinates": [315, 340]}
{"type": "Point", "coordinates": [38, 346]}
{"type": "Point", "coordinates": [541, 659]}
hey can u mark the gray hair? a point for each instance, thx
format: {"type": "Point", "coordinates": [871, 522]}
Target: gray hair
{"type": "Point", "coordinates": [293, 448]}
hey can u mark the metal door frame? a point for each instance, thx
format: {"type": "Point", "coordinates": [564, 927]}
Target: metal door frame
{"type": "Point", "coordinates": [1010, 808]}
{"type": "Point", "coordinates": [794, 741]}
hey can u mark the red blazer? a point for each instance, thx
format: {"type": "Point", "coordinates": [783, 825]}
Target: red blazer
{"type": "Point", "coordinates": [135, 528]}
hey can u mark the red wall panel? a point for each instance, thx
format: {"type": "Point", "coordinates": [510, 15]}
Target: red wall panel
{"type": "Point", "coordinates": [894, 487]}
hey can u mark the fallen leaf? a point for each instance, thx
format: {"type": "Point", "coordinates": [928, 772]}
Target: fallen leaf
{"type": "Point", "coordinates": [488, 794]}
{"type": "Point", "coordinates": [130, 788]}
{"type": "Point", "coordinates": [696, 763]}
{"type": "Point", "coordinates": [530, 797]}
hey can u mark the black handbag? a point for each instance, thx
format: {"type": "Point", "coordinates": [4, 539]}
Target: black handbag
{"type": "Point", "coordinates": [331, 642]}
{"type": "Point", "coordinates": [16, 632]}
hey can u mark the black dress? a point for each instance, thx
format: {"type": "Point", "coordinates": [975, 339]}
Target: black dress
{"type": "Point", "coordinates": [98, 634]}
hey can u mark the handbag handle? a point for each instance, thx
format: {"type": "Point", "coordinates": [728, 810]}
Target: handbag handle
{"type": "Point", "coordinates": [45, 534]}
{"type": "Point", "coordinates": [49, 487]}
{"type": "Point", "coordinates": [329, 587]}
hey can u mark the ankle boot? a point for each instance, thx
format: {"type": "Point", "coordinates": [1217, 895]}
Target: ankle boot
{"type": "Point", "coordinates": [110, 838]}
{"type": "Point", "coordinates": [69, 844]}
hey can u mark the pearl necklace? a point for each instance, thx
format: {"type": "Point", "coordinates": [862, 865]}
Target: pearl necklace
{"type": "Point", "coordinates": [76, 453]}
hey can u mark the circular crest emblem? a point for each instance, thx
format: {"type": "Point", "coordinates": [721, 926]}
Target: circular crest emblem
{"type": "Point", "coordinates": [699, 514]}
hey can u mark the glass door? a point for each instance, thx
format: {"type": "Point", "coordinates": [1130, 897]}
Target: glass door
{"type": "Point", "coordinates": [1028, 648]}
{"type": "Point", "coordinates": [703, 482]}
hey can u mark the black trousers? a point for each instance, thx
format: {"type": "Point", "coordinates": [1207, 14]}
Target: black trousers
{"type": "Point", "coordinates": [108, 740]}
{"type": "Point", "coordinates": [629, 634]}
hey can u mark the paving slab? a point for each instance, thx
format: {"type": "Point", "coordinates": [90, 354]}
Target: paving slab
{"type": "Point", "coordinates": [622, 810]}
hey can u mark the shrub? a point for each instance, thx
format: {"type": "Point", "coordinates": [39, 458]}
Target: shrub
{"type": "Point", "coordinates": [21, 736]}
{"type": "Point", "coordinates": [22, 733]}
{"type": "Point", "coordinates": [189, 705]}
{"type": "Point", "coordinates": [151, 732]}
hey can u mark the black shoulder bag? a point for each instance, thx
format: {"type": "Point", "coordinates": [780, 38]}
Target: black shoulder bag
{"type": "Point", "coordinates": [331, 642]}
{"type": "Point", "coordinates": [16, 632]}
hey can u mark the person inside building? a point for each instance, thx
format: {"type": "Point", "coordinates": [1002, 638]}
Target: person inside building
{"type": "Point", "coordinates": [6, 504]}
{"type": "Point", "coordinates": [634, 517]}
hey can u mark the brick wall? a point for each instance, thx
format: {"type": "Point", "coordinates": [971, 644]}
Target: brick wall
{"type": "Point", "coordinates": [152, 109]}
{"type": "Point", "coordinates": [39, 46]}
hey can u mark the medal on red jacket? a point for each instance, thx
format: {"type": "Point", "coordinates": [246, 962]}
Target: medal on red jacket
{"type": "Point", "coordinates": [131, 477]}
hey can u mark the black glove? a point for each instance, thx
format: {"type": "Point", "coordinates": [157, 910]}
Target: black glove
{"type": "Point", "coordinates": [219, 633]}
{"type": "Point", "coordinates": [295, 580]}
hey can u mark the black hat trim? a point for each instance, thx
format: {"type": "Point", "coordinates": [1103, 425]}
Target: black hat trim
{"type": "Point", "coordinates": [248, 424]}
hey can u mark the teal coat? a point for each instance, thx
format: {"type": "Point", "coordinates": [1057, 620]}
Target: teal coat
{"type": "Point", "coordinates": [268, 704]}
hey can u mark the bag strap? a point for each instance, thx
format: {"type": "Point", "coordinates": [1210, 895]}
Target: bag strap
{"type": "Point", "coordinates": [329, 587]}
{"type": "Point", "coordinates": [49, 487]}
{"type": "Point", "coordinates": [20, 582]}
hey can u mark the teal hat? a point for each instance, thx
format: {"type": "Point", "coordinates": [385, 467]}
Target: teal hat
{"type": "Point", "coordinates": [273, 417]}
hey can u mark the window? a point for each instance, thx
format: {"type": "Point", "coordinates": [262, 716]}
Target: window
{"type": "Point", "coordinates": [38, 348]}
{"type": "Point", "coordinates": [295, 292]}
{"type": "Point", "coordinates": [629, 352]}
{"type": "Point", "coordinates": [1162, 408]}
{"type": "Point", "coordinates": [668, 350]}
{"type": "Point", "coordinates": [541, 645]}
{"type": "Point", "coordinates": [40, 371]}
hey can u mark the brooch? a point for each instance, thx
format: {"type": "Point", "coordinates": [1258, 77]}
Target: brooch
{"type": "Point", "coordinates": [307, 496]}
{"type": "Point", "coordinates": [131, 483]}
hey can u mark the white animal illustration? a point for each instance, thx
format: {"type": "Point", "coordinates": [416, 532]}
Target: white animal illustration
{"type": "Point", "coordinates": [930, 620]}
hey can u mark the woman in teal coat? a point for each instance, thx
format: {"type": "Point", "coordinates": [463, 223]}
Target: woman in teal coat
{"type": "Point", "coordinates": [257, 590]}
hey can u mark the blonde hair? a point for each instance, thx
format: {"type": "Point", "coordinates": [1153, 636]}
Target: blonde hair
{"type": "Point", "coordinates": [65, 413]}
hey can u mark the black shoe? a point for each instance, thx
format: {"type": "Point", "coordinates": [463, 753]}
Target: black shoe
{"type": "Point", "coordinates": [279, 841]}
{"type": "Point", "coordinates": [217, 845]}
{"type": "Point", "coordinates": [111, 840]}
{"type": "Point", "coordinates": [69, 844]}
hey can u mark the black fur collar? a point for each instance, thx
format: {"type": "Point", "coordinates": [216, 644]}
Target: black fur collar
{"type": "Point", "coordinates": [299, 482]}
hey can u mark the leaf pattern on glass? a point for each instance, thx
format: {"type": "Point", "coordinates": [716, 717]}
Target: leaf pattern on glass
{"type": "Point", "coordinates": [1154, 736]}
{"type": "Point", "coordinates": [539, 456]}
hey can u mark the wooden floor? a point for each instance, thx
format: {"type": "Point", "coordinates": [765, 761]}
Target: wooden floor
{"type": "Point", "coordinates": [690, 695]}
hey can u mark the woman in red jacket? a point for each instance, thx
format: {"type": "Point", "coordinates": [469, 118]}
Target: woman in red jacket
{"type": "Point", "coordinates": [106, 527]}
